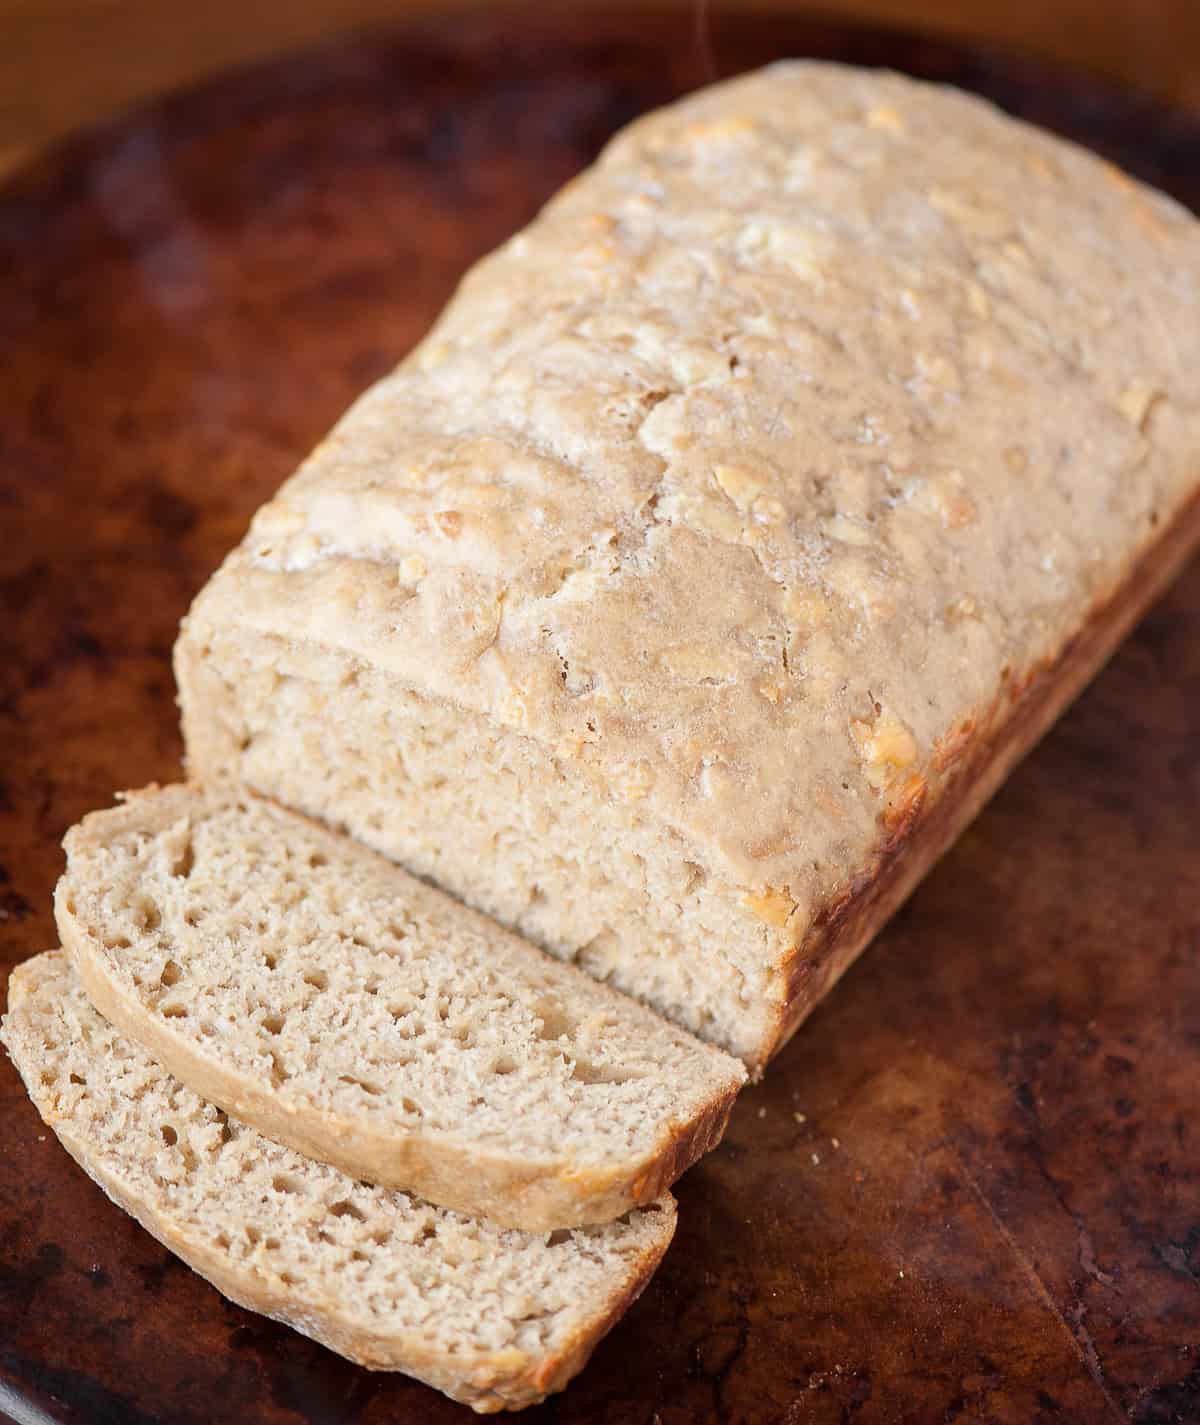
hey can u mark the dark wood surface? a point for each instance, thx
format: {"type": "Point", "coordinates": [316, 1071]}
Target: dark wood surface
{"type": "Point", "coordinates": [68, 62]}
{"type": "Point", "coordinates": [970, 1188]}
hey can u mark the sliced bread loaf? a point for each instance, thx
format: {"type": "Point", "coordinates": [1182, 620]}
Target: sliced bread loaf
{"type": "Point", "coordinates": [316, 991]}
{"type": "Point", "coordinates": [494, 1317]}
{"type": "Point", "coordinates": [738, 525]}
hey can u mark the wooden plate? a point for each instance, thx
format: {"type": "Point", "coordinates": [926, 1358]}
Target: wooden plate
{"type": "Point", "coordinates": [970, 1189]}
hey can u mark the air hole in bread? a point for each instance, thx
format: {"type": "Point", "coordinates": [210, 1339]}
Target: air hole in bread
{"type": "Point", "coordinates": [555, 1021]}
{"type": "Point", "coordinates": [185, 861]}
{"type": "Point", "coordinates": [253, 1235]}
{"type": "Point", "coordinates": [411, 1106]}
{"type": "Point", "coordinates": [344, 1208]}
{"type": "Point", "coordinates": [588, 1073]}
{"type": "Point", "coordinates": [270, 960]}
{"type": "Point", "coordinates": [174, 1011]}
{"type": "Point", "coordinates": [317, 860]}
{"type": "Point", "coordinates": [147, 915]}
{"type": "Point", "coordinates": [504, 1064]}
{"type": "Point", "coordinates": [365, 1084]}
{"type": "Point", "coordinates": [273, 1023]}
{"type": "Point", "coordinates": [77, 1079]}
{"type": "Point", "coordinates": [318, 979]}
{"type": "Point", "coordinates": [558, 1237]}
{"type": "Point", "coordinates": [169, 1136]}
{"type": "Point", "coordinates": [279, 1075]}
{"type": "Point", "coordinates": [286, 1182]}
{"type": "Point", "coordinates": [171, 974]}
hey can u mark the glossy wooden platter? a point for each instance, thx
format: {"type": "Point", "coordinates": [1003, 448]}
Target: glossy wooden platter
{"type": "Point", "coordinates": [970, 1188]}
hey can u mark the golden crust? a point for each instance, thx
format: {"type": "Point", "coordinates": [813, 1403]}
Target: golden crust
{"type": "Point", "coordinates": [781, 442]}
{"type": "Point", "coordinates": [977, 758]}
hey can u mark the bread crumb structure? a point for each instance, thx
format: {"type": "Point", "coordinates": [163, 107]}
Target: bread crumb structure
{"type": "Point", "coordinates": [674, 601]}
{"type": "Point", "coordinates": [317, 991]}
{"type": "Point", "coordinates": [494, 1317]}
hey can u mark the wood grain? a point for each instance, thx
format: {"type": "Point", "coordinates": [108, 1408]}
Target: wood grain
{"type": "Point", "coordinates": [969, 1189]}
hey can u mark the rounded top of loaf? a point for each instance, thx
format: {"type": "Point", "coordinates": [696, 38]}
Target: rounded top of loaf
{"type": "Point", "coordinates": [821, 403]}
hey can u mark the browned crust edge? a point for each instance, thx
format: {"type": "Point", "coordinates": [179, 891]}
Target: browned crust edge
{"type": "Point", "coordinates": [969, 765]}
{"type": "Point", "coordinates": [531, 1197]}
{"type": "Point", "coordinates": [556, 1371]}
{"type": "Point", "coordinates": [930, 812]}
{"type": "Point", "coordinates": [507, 1380]}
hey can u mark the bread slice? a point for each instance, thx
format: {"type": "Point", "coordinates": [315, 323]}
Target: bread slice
{"type": "Point", "coordinates": [314, 990]}
{"type": "Point", "coordinates": [494, 1317]}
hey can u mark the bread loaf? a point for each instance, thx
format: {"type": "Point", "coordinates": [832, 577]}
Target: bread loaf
{"type": "Point", "coordinates": [314, 990]}
{"type": "Point", "coordinates": [495, 1318]}
{"type": "Point", "coordinates": [737, 526]}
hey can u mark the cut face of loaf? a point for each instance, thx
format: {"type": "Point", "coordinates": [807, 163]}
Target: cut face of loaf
{"type": "Point", "coordinates": [496, 1318]}
{"type": "Point", "coordinates": [735, 529]}
{"type": "Point", "coordinates": [315, 990]}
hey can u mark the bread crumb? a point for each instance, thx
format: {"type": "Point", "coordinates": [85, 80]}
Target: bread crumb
{"type": "Point", "coordinates": [762, 1113]}
{"type": "Point", "coordinates": [800, 1117]}
{"type": "Point", "coordinates": [816, 1160]}
{"type": "Point", "coordinates": [837, 1142]}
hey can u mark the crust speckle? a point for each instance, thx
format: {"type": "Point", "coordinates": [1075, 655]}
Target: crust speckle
{"type": "Point", "coordinates": [837, 407]}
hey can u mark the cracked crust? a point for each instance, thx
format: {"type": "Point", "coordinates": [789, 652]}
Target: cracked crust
{"type": "Point", "coordinates": [823, 409]}
{"type": "Point", "coordinates": [973, 760]}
